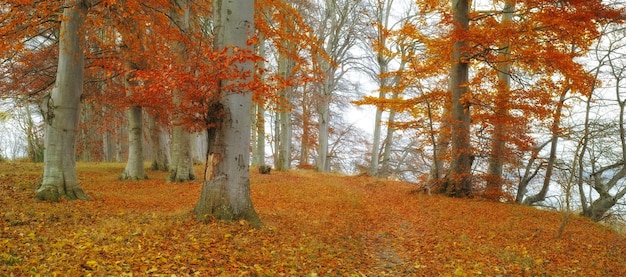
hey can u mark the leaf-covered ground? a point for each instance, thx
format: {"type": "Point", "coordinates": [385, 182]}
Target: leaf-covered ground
{"type": "Point", "coordinates": [315, 225]}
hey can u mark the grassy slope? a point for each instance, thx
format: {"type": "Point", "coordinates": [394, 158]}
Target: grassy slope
{"type": "Point", "coordinates": [314, 224]}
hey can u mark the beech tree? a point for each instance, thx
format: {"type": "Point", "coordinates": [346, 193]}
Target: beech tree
{"type": "Point", "coordinates": [336, 35]}
{"type": "Point", "coordinates": [181, 167]}
{"type": "Point", "coordinates": [226, 191]}
{"type": "Point", "coordinates": [286, 40]}
{"type": "Point", "coordinates": [134, 165]}
{"type": "Point", "coordinates": [458, 182]}
{"type": "Point", "coordinates": [602, 141]}
{"type": "Point", "coordinates": [160, 147]}
{"type": "Point", "coordinates": [497, 156]}
{"type": "Point", "coordinates": [381, 12]}
{"type": "Point", "coordinates": [61, 110]}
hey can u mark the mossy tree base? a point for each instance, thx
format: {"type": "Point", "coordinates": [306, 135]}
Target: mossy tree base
{"type": "Point", "coordinates": [220, 203]}
{"type": "Point", "coordinates": [49, 193]}
{"type": "Point", "coordinates": [131, 177]}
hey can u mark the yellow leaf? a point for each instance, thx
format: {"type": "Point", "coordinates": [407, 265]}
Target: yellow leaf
{"type": "Point", "coordinates": [90, 265]}
{"type": "Point", "coordinates": [459, 272]}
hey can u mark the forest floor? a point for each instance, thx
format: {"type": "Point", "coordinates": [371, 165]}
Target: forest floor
{"type": "Point", "coordinates": [314, 225]}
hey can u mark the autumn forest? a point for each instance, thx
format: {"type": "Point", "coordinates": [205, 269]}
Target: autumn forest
{"type": "Point", "coordinates": [312, 137]}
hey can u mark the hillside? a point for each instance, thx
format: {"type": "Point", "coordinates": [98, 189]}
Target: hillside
{"type": "Point", "coordinates": [315, 224]}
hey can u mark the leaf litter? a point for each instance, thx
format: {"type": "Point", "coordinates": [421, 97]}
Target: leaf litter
{"type": "Point", "coordinates": [315, 225]}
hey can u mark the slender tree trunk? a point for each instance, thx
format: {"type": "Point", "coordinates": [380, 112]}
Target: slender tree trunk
{"type": "Point", "coordinates": [385, 166]}
{"type": "Point", "coordinates": [258, 111]}
{"type": "Point", "coordinates": [285, 67]}
{"type": "Point", "coordinates": [391, 120]}
{"type": "Point", "coordinates": [608, 190]}
{"type": "Point", "coordinates": [441, 144]}
{"type": "Point", "coordinates": [375, 154]}
{"type": "Point", "coordinates": [494, 170]}
{"type": "Point", "coordinates": [120, 130]}
{"type": "Point", "coordinates": [323, 112]}
{"type": "Point", "coordinates": [61, 111]}
{"type": "Point", "coordinates": [258, 153]}
{"type": "Point", "coordinates": [541, 195]}
{"type": "Point", "coordinates": [107, 147]}
{"type": "Point", "coordinates": [305, 141]}
{"type": "Point", "coordinates": [35, 145]}
{"type": "Point", "coordinates": [181, 168]}
{"type": "Point", "coordinates": [88, 138]}
{"type": "Point", "coordinates": [324, 128]}
{"type": "Point", "coordinates": [276, 137]}
{"type": "Point", "coordinates": [259, 156]}
{"type": "Point", "coordinates": [160, 149]}
{"type": "Point", "coordinates": [383, 11]}
{"type": "Point", "coordinates": [226, 192]}
{"type": "Point", "coordinates": [529, 174]}
{"type": "Point", "coordinates": [459, 179]}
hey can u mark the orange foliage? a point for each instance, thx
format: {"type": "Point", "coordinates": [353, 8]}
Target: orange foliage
{"type": "Point", "coordinates": [545, 39]}
{"type": "Point", "coordinates": [322, 224]}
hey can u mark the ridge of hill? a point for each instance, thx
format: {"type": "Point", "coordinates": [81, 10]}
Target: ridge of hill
{"type": "Point", "coordinates": [315, 224]}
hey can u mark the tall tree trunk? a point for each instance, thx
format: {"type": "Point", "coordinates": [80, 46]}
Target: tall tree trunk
{"type": "Point", "coordinates": [87, 137]}
{"type": "Point", "coordinates": [35, 145]}
{"type": "Point", "coordinates": [181, 168]}
{"type": "Point", "coordinates": [383, 11]}
{"type": "Point", "coordinates": [62, 109]}
{"type": "Point", "coordinates": [119, 131]}
{"type": "Point", "coordinates": [285, 67]}
{"type": "Point", "coordinates": [134, 166]}
{"type": "Point", "coordinates": [305, 140]}
{"type": "Point", "coordinates": [375, 153]}
{"type": "Point", "coordinates": [135, 163]}
{"type": "Point", "coordinates": [385, 166]}
{"type": "Point", "coordinates": [199, 146]}
{"type": "Point", "coordinates": [458, 183]}
{"type": "Point", "coordinates": [107, 146]}
{"type": "Point", "coordinates": [258, 110]}
{"type": "Point", "coordinates": [259, 143]}
{"type": "Point", "coordinates": [226, 192]}
{"type": "Point", "coordinates": [160, 147]}
{"type": "Point", "coordinates": [323, 110]}
{"type": "Point", "coordinates": [494, 170]}
{"type": "Point", "coordinates": [441, 144]}
{"type": "Point", "coordinates": [276, 137]}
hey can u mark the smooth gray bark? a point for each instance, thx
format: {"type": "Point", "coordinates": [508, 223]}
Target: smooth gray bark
{"type": "Point", "coordinates": [285, 67]}
{"type": "Point", "coordinates": [336, 36]}
{"type": "Point", "coordinates": [160, 147]}
{"type": "Point", "coordinates": [135, 164]}
{"type": "Point", "coordinates": [382, 11]}
{"type": "Point", "coordinates": [61, 110]}
{"type": "Point", "coordinates": [257, 112]}
{"type": "Point", "coordinates": [181, 167]}
{"type": "Point", "coordinates": [259, 129]}
{"type": "Point", "coordinates": [226, 191]}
